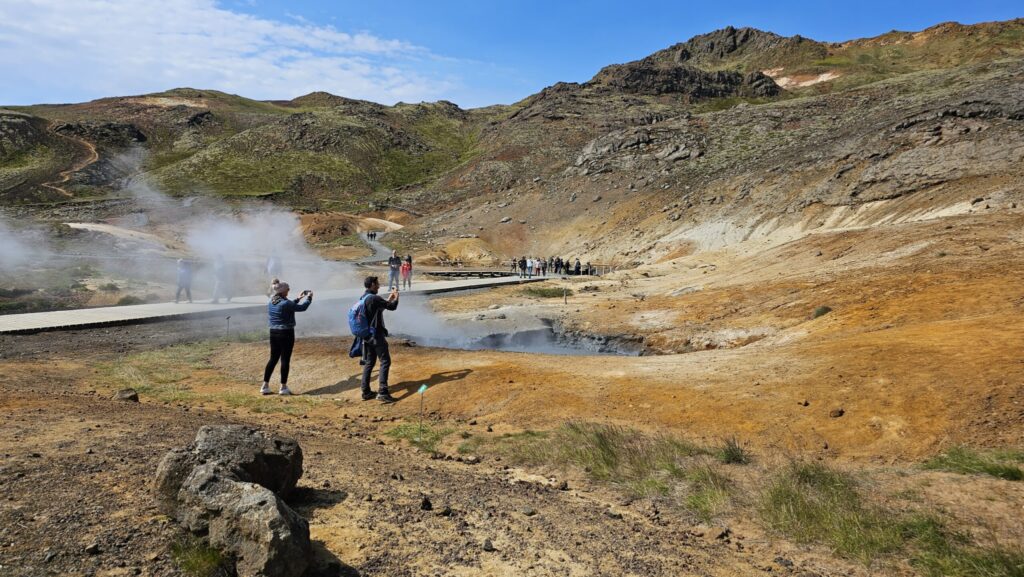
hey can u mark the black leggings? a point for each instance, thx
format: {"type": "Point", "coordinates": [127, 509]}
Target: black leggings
{"type": "Point", "coordinates": [281, 343]}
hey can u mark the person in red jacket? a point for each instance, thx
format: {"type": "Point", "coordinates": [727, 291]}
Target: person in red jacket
{"type": "Point", "coordinates": [407, 272]}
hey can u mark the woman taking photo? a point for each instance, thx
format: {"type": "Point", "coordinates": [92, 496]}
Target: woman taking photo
{"type": "Point", "coordinates": [281, 313]}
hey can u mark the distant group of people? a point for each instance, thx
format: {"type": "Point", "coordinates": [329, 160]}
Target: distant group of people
{"type": "Point", "coordinates": [528, 267]}
{"type": "Point", "coordinates": [371, 235]}
{"type": "Point", "coordinates": [223, 277]}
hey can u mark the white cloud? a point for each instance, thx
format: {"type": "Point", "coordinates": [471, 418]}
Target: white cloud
{"type": "Point", "coordinates": [66, 50]}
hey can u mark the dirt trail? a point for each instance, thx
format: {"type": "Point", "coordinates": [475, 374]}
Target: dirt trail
{"type": "Point", "coordinates": [65, 175]}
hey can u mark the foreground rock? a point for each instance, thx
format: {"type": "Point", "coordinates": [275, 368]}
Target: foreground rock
{"type": "Point", "coordinates": [228, 485]}
{"type": "Point", "coordinates": [129, 395]}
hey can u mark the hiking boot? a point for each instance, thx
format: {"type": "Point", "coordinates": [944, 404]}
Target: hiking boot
{"type": "Point", "coordinates": [386, 398]}
{"type": "Point", "coordinates": [265, 389]}
{"type": "Point", "coordinates": [367, 395]}
{"type": "Point", "coordinates": [284, 390]}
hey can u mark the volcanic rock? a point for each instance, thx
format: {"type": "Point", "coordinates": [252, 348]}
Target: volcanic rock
{"type": "Point", "coordinates": [228, 486]}
{"type": "Point", "coordinates": [130, 395]}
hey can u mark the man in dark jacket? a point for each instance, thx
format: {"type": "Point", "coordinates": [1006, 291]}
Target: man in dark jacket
{"type": "Point", "coordinates": [377, 346]}
{"type": "Point", "coordinates": [394, 265]}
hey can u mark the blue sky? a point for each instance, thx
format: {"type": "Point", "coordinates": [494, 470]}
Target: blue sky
{"type": "Point", "coordinates": [473, 53]}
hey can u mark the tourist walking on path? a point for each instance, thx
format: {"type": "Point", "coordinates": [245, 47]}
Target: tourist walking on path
{"type": "Point", "coordinates": [529, 267]}
{"type": "Point", "coordinates": [281, 316]}
{"type": "Point", "coordinates": [222, 279]}
{"type": "Point", "coordinates": [576, 268]}
{"type": "Point", "coordinates": [376, 347]}
{"type": "Point", "coordinates": [394, 267]}
{"type": "Point", "coordinates": [184, 280]}
{"type": "Point", "coordinates": [522, 267]}
{"type": "Point", "coordinates": [543, 267]}
{"type": "Point", "coordinates": [406, 271]}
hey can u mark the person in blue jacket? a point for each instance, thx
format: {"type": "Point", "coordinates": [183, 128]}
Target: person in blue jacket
{"type": "Point", "coordinates": [281, 313]}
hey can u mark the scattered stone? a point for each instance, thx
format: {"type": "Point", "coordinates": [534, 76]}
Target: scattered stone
{"type": "Point", "coordinates": [612, 514]}
{"type": "Point", "coordinates": [93, 549]}
{"type": "Point", "coordinates": [397, 476]}
{"type": "Point", "coordinates": [445, 511]}
{"type": "Point", "coordinates": [129, 395]}
{"type": "Point", "coordinates": [472, 422]}
{"type": "Point", "coordinates": [49, 556]}
{"type": "Point", "coordinates": [490, 429]}
{"type": "Point", "coordinates": [472, 460]}
{"type": "Point", "coordinates": [505, 220]}
{"type": "Point", "coordinates": [563, 486]}
{"type": "Point", "coordinates": [529, 511]}
{"type": "Point", "coordinates": [488, 546]}
{"type": "Point", "coordinates": [836, 413]}
{"type": "Point", "coordinates": [426, 505]}
{"type": "Point", "coordinates": [804, 403]}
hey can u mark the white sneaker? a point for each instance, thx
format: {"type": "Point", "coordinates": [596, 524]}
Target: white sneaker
{"type": "Point", "coordinates": [265, 389]}
{"type": "Point", "coordinates": [284, 391]}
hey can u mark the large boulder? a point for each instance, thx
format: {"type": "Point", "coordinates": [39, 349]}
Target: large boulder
{"type": "Point", "coordinates": [228, 486]}
{"type": "Point", "coordinates": [249, 454]}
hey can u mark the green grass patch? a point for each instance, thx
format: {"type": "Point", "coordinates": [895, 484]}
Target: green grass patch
{"type": "Point", "coordinates": [425, 437]}
{"type": "Point", "coordinates": [546, 292]}
{"type": "Point", "coordinates": [820, 312]}
{"type": "Point", "coordinates": [159, 374]}
{"type": "Point", "coordinates": [709, 491]}
{"type": "Point", "coordinates": [732, 452]}
{"type": "Point", "coordinates": [109, 287]}
{"type": "Point", "coordinates": [814, 503]}
{"type": "Point", "coordinates": [639, 464]}
{"type": "Point", "coordinates": [196, 558]}
{"type": "Point", "coordinates": [296, 405]}
{"type": "Point", "coordinates": [999, 464]}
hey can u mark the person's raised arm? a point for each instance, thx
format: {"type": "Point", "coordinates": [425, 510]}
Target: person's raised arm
{"type": "Point", "coordinates": [301, 303]}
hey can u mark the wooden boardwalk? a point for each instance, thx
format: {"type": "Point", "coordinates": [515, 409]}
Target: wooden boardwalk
{"type": "Point", "coordinates": [137, 314]}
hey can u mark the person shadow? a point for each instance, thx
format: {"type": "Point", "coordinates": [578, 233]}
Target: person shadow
{"type": "Point", "coordinates": [399, 391]}
{"type": "Point", "coordinates": [406, 388]}
{"type": "Point", "coordinates": [349, 384]}
{"type": "Point", "coordinates": [323, 563]}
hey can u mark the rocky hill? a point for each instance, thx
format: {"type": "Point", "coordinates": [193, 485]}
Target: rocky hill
{"type": "Point", "coordinates": [730, 134]}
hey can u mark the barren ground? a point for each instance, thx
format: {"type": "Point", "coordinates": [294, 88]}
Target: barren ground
{"type": "Point", "coordinates": [921, 351]}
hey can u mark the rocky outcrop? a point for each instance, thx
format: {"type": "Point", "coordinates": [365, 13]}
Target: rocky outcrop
{"type": "Point", "coordinates": [750, 48]}
{"type": "Point", "coordinates": [228, 485]}
{"type": "Point", "coordinates": [646, 78]}
{"type": "Point", "coordinates": [115, 134]}
{"type": "Point", "coordinates": [18, 133]}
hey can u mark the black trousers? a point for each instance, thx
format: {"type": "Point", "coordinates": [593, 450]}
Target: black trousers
{"type": "Point", "coordinates": [378, 350]}
{"type": "Point", "coordinates": [282, 341]}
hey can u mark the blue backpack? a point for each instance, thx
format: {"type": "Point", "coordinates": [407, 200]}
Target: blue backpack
{"type": "Point", "coordinates": [358, 321]}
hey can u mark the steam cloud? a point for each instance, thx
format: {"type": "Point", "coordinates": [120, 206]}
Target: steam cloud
{"type": "Point", "coordinates": [19, 248]}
